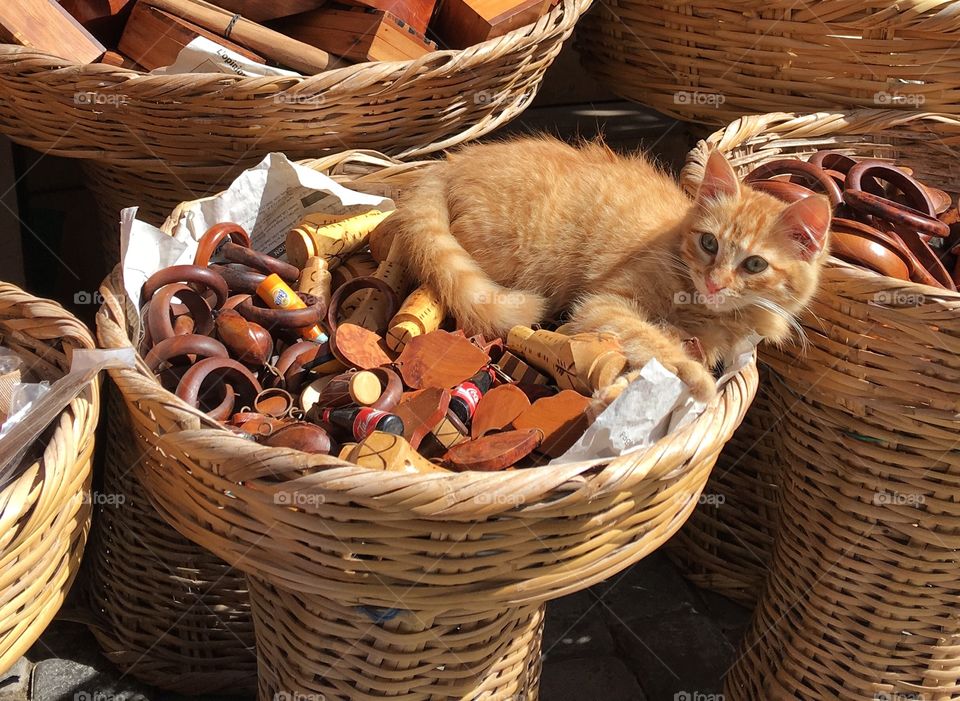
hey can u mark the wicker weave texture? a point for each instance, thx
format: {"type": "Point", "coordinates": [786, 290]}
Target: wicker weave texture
{"type": "Point", "coordinates": [45, 512]}
{"type": "Point", "coordinates": [168, 612]}
{"type": "Point", "coordinates": [726, 544]}
{"type": "Point", "coordinates": [713, 61]}
{"type": "Point", "coordinates": [860, 600]}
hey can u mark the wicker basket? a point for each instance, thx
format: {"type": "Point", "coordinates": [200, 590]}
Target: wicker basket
{"type": "Point", "coordinates": [45, 512]}
{"type": "Point", "coordinates": [167, 611]}
{"type": "Point", "coordinates": [371, 585]}
{"type": "Point", "coordinates": [711, 62]}
{"type": "Point", "coordinates": [156, 141]}
{"type": "Point", "coordinates": [860, 600]}
{"type": "Point", "coordinates": [726, 544]}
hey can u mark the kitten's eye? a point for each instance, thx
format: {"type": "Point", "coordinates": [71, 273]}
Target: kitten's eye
{"type": "Point", "coordinates": [754, 264]}
{"type": "Point", "coordinates": [709, 243]}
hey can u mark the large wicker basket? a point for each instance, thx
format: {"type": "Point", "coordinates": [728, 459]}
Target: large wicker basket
{"type": "Point", "coordinates": [709, 61]}
{"type": "Point", "coordinates": [156, 141]}
{"type": "Point", "coordinates": [860, 599]}
{"type": "Point", "coordinates": [369, 584]}
{"type": "Point", "coordinates": [45, 512]}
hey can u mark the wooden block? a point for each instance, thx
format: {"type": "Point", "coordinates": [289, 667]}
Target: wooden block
{"type": "Point", "coordinates": [463, 23]}
{"type": "Point", "coordinates": [360, 34]}
{"type": "Point", "coordinates": [264, 10]}
{"type": "Point", "coordinates": [44, 25]}
{"type": "Point", "coordinates": [415, 13]}
{"type": "Point", "coordinates": [154, 38]}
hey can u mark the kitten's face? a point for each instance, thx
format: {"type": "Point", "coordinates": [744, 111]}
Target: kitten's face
{"type": "Point", "coordinates": [746, 248]}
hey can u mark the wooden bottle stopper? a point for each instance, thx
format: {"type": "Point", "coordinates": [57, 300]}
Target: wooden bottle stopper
{"type": "Point", "coordinates": [371, 309]}
{"type": "Point", "coordinates": [562, 418]}
{"type": "Point", "coordinates": [420, 313]}
{"type": "Point", "coordinates": [583, 362]}
{"type": "Point", "coordinates": [386, 451]}
{"type": "Point", "coordinates": [381, 240]}
{"type": "Point", "coordinates": [331, 237]}
{"type": "Point", "coordinates": [494, 452]}
{"type": "Point", "coordinates": [315, 279]}
{"type": "Point", "coordinates": [365, 388]}
{"type": "Point", "coordinates": [521, 372]}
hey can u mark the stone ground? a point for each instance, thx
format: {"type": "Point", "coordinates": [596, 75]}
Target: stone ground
{"type": "Point", "coordinates": [643, 635]}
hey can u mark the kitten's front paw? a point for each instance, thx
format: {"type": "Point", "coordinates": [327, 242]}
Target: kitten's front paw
{"type": "Point", "coordinates": [605, 395]}
{"type": "Point", "coordinates": [702, 384]}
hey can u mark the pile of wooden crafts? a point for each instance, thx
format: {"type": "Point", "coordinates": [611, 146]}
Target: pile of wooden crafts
{"type": "Point", "coordinates": [884, 219]}
{"type": "Point", "coordinates": [326, 352]}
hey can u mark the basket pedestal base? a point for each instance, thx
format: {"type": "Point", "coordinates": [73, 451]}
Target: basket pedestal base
{"type": "Point", "coordinates": [313, 648]}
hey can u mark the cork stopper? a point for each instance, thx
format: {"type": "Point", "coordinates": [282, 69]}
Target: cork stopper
{"type": "Point", "coordinates": [365, 388]}
{"type": "Point", "coordinates": [315, 279]}
{"type": "Point", "coordinates": [300, 247]}
{"type": "Point", "coordinates": [420, 313]}
{"type": "Point", "coordinates": [607, 367]}
{"type": "Point", "coordinates": [386, 451]}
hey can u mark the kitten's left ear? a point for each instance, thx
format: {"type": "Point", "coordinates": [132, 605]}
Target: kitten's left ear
{"type": "Point", "coordinates": [719, 179]}
{"type": "Point", "coordinates": [807, 222]}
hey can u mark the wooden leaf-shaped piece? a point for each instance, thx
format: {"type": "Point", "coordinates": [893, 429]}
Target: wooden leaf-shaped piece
{"type": "Point", "coordinates": [493, 452]}
{"type": "Point", "coordinates": [497, 409]}
{"type": "Point", "coordinates": [439, 359]}
{"type": "Point", "coordinates": [359, 347]}
{"type": "Point", "coordinates": [421, 411]}
{"type": "Point", "coordinates": [563, 418]}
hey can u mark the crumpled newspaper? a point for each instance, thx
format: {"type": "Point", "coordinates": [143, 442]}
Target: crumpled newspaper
{"type": "Point", "coordinates": [205, 56]}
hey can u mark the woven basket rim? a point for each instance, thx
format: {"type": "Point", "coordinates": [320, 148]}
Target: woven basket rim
{"type": "Point", "coordinates": [534, 485]}
{"type": "Point", "coordinates": [564, 14]}
{"type": "Point", "coordinates": [792, 125]}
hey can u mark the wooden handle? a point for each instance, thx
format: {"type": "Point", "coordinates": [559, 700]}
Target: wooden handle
{"type": "Point", "coordinates": [286, 51]}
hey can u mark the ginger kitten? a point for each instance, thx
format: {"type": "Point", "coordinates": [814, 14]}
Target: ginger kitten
{"type": "Point", "coordinates": [518, 232]}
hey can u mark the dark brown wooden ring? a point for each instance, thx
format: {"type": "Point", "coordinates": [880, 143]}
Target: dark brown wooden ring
{"type": "Point", "coordinates": [214, 236]}
{"type": "Point", "coordinates": [915, 194]}
{"type": "Point", "coordinates": [784, 191]}
{"type": "Point", "coordinates": [292, 365]}
{"type": "Point", "coordinates": [161, 309]}
{"type": "Point", "coordinates": [355, 285]}
{"type": "Point", "coordinates": [190, 385]}
{"type": "Point", "coordinates": [184, 345]}
{"type": "Point", "coordinates": [812, 174]}
{"type": "Point", "coordinates": [889, 240]}
{"type": "Point", "coordinates": [392, 388]}
{"type": "Point", "coordinates": [259, 261]}
{"type": "Point", "coordinates": [239, 278]}
{"type": "Point", "coordinates": [833, 160]}
{"type": "Point", "coordinates": [204, 277]}
{"type": "Point", "coordinates": [233, 301]}
{"type": "Point", "coordinates": [284, 318]}
{"type": "Point", "coordinates": [899, 215]}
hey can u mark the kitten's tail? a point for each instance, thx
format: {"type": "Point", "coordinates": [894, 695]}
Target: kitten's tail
{"type": "Point", "coordinates": [421, 227]}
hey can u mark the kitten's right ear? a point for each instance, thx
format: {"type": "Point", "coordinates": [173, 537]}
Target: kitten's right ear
{"type": "Point", "coordinates": [719, 179]}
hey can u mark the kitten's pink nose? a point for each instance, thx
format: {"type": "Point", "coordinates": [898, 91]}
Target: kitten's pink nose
{"type": "Point", "coordinates": [712, 287]}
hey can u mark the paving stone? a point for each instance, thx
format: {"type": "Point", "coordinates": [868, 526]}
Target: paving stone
{"type": "Point", "coordinates": [576, 627]}
{"type": "Point", "coordinates": [15, 684]}
{"type": "Point", "coordinates": [57, 679]}
{"type": "Point", "coordinates": [731, 617]}
{"type": "Point", "coordinates": [652, 587]}
{"type": "Point", "coordinates": [682, 652]}
{"type": "Point", "coordinates": [606, 678]}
